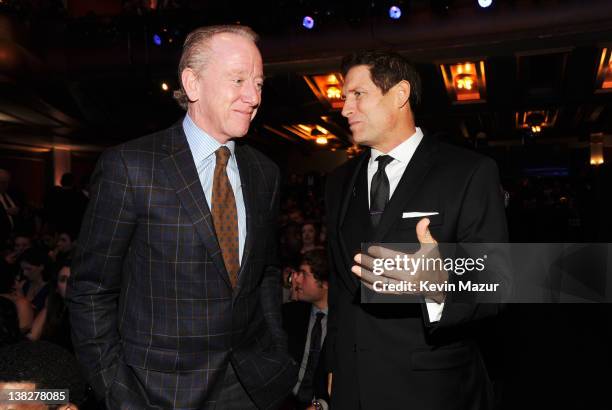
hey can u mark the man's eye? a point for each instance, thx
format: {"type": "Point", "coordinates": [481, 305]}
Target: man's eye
{"type": "Point", "coordinates": [238, 80]}
{"type": "Point", "coordinates": [259, 86]}
{"type": "Point", "coordinates": [357, 93]}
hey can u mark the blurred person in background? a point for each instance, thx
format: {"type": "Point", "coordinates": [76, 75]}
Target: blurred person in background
{"type": "Point", "coordinates": [305, 322]}
{"type": "Point", "coordinates": [12, 300]}
{"type": "Point", "coordinates": [61, 254]}
{"type": "Point", "coordinates": [52, 323]}
{"type": "Point", "coordinates": [35, 266]}
{"type": "Point", "coordinates": [310, 237]}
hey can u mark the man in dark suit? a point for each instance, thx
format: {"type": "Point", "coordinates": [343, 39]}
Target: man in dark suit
{"type": "Point", "coordinates": [175, 290]}
{"type": "Point", "coordinates": [392, 356]}
{"type": "Point", "coordinates": [305, 322]}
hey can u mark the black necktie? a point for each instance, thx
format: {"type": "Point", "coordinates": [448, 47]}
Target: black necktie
{"type": "Point", "coordinates": [306, 391]}
{"type": "Point", "coordinates": [379, 190]}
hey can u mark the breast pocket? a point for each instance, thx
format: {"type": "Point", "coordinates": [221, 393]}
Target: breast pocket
{"type": "Point", "coordinates": [411, 223]}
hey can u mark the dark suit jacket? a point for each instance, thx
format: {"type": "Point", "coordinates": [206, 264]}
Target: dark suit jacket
{"type": "Point", "coordinates": [154, 316]}
{"type": "Point", "coordinates": [389, 356]}
{"type": "Point", "coordinates": [296, 318]}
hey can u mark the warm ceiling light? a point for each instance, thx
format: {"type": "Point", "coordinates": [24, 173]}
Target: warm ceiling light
{"type": "Point", "coordinates": [604, 71]}
{"type": "Point", "coordinates": [165, 87]}
{"type": "Point", "coordinates": [311, 132]}
{"type": "Point", "coordinates": [597, 149]}
{"type": "Point", "coordinates": [536, 121]}
{"type": "Point", "coordinates": [334, 93]}
{"type": "Point", "coordinates": [322, 130]}
{"type": "Point", "coordinates": [465, 82]}
{"type": "Point", "coordinates": [536, 129]}
{"type": "Point", "coordinates": [305, 128]}
{"type": "Point", "coordinates": [327, 88]}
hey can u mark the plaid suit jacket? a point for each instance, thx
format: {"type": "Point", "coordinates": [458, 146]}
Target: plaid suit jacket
{"type": "Point", "coordinates": [155, 320]}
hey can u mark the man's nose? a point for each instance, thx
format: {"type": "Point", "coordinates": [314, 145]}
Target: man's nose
{"type": "Point", "coordinates": [347, 109]}
{"type": "Point", "coordinates": [251, 94]}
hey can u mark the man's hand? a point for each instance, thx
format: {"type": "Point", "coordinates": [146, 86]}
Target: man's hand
{"type": "Point", "coordinates": [429, 249]}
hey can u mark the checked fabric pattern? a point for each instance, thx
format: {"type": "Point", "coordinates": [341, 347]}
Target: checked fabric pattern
{"type": "Point", "coordinates": [225, 216]}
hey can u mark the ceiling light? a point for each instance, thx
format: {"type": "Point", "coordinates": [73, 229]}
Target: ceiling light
{"type": "Point", "coordinates": [308, 22]}
{"type": "Point", "coordinates": [395, 12]}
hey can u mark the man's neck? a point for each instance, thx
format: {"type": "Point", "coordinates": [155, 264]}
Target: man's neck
{"type": "Point", "coordinates": [198, 123]}
{"type": "Point", "coordinates": [321, 304]}
{"type": "Point", "coordinates": [389, 144]}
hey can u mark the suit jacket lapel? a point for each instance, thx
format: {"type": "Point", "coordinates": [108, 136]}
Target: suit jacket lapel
{"type": "Point", "coordinates": [349, 194]}
{"type": "Point", "coordinates": [349, 191]}
{"type": "Point", "coordinates": [415, 172]}
{"type": "Point", "coordinates": [249, 193]}
{"type": "Point", "coordinates": [183, 176]}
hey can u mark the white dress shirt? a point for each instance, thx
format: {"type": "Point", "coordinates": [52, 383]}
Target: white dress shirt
{"type": "Point", "coordinates": [203, 148]}
{"type": "Point", "coordinates": [402, 154]}
{"type": "Point", "coordinates": [313, 318]}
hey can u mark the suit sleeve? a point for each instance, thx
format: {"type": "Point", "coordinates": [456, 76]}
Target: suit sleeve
{"type": "Point", "coordinates": [332, 295]}
{"type": "Point", "coordinates": [94, 287]}
{"type": "Point", "coordinates": [481, 220]}
{"type": "Point", "coordinates": [271, 289]}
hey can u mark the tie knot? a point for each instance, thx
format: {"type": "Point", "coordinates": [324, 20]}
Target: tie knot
{"type": "Point", "coordinates": [223, 154]}
{"type": "Point", "coordinates": [383, 161]}
{"type": "Point", "coordinates": [320, 316]}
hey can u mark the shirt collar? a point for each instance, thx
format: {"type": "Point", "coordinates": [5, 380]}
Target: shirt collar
{"type": "Point", "coordinates": [316, 310]}
{"type": "Point", "coordinates": [404, 151]}
{"type": "Point", "coordinates": [200, 143]}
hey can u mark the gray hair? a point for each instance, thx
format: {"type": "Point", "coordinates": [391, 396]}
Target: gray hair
{"type": "Point", "coordinates": [196, 52]}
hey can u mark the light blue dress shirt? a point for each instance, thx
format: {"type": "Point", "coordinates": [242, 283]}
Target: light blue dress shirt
{"type": "Point", "coordinates": [203, 148]}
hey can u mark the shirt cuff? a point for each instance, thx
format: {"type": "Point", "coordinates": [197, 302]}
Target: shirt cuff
{"type": "Point", "coordinates": [434, 310]}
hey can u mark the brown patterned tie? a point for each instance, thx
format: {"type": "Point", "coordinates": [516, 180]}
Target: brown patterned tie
{"type": "Point", "coordinates": [225, 216]}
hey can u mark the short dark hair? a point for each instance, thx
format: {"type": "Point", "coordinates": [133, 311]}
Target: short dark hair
{"type": "Point", "coordinates": [317, 260]}
{"type": "Point", "coordinates": [387, 68]}
{"type": "Point", "coordinates": [37, 256]}
{"type": "Point", "coordinates": [67, 180]}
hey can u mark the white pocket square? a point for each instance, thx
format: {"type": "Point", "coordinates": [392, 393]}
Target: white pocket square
{"type": "Point", "coordinates": [418, 214]}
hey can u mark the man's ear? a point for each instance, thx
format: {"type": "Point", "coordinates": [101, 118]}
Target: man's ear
{"type": "Point", "coordinates": [191, 84]}
{"type": "Point", "coordinates": [402, 93]}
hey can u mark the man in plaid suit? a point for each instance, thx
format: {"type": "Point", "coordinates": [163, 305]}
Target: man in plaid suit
{"type": "Point", "coordinates": [175, 296]}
